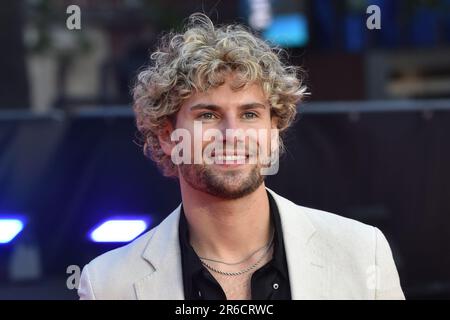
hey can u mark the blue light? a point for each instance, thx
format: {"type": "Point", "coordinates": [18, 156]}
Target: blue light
{"type": "Point", "coordinates": [119, 230]}
{"type": "Point", "coordinates": [289, 30]}
{"type": "Point", "coordinates": [9, 229]}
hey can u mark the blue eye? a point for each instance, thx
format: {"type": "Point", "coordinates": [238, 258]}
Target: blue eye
{"type": "Point", "coordinates": [250, 115]}
{"type": "Point", "coordinates": [207, 116]}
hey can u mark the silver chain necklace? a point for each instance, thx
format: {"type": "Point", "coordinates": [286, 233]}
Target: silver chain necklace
{"type": "Point", "coordinates": [243, 260]}
{"type": "Point", "coordinates": [269, 245]}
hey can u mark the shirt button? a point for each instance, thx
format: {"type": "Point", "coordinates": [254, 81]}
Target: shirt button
{"type": "Point", "coordinates": [275, 286]}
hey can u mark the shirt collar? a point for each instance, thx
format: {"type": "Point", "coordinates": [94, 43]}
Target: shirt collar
{"type": "Point", "coordinates": [279, 255]}
{"type": "Point", "coordinates": [190, 262]}
{"type": "Point", "coordinates": [192, 265]}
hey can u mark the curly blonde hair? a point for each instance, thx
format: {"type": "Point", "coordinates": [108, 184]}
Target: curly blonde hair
{"type": "Point", "coordinates": [198, 59]}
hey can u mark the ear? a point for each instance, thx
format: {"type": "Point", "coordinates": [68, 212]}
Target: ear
{"type": "Point", "coordinates": [274, 122]}
{"type": "Point", "coordinates": [164, 138]}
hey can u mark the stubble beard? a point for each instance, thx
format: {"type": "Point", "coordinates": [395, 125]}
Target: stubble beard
{"type": "Point", "coordinates": [226, 184]}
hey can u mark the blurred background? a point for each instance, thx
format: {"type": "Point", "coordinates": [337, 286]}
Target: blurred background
{"type": "Point", "coordinates": [371, 142]}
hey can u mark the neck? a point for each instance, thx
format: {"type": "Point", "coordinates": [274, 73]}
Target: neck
{"type": "Point", "coordinates": [226, 229]}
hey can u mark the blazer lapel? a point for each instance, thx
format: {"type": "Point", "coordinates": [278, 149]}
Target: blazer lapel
{"type": "Point", "coordinates": [165, 281]}
{"type": "Point", "coordinates": [307, 267]}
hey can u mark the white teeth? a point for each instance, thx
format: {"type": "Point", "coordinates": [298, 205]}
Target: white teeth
{"type": "Point", "coordinates": [229, 158]}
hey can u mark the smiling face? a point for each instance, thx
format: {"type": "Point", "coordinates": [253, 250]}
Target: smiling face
{"type": "Point", "coordinates": [236, 168]}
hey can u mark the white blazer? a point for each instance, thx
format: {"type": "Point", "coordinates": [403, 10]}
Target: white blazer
{"type": "Point", "coordinates": [328, 257]}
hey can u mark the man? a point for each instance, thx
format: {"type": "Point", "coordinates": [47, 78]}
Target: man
{"type": "Point", "coordinates": [231, 237]}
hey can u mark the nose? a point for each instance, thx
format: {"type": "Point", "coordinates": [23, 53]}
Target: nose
{"type": "Point", "coordinates": [232, 131]}
{"type": "Point", "coordinates": [229, 122]}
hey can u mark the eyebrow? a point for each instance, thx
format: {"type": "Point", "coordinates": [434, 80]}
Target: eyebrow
{"type": "Point", "coordinates": [213, 107]}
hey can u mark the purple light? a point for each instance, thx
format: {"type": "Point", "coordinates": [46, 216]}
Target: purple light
{"type": "Point", "coordinates": [119, 229]}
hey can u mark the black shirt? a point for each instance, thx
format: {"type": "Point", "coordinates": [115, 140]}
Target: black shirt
{"type": "Point", "coordinates": [270, 282]}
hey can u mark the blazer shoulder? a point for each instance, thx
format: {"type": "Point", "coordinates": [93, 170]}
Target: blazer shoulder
{"type": "Point", "coordinates": [112, 274]}
{"type": "Point", "coordinates": [332, 222]}
{"type": "Point", "coordinates": [341, 234]}
{"type": "Point", "coordinates": [116, 258]}
{"type": "Point", "coordinates": [366, 246]}
{"type": "Point", "coordinates": [328, 226]}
